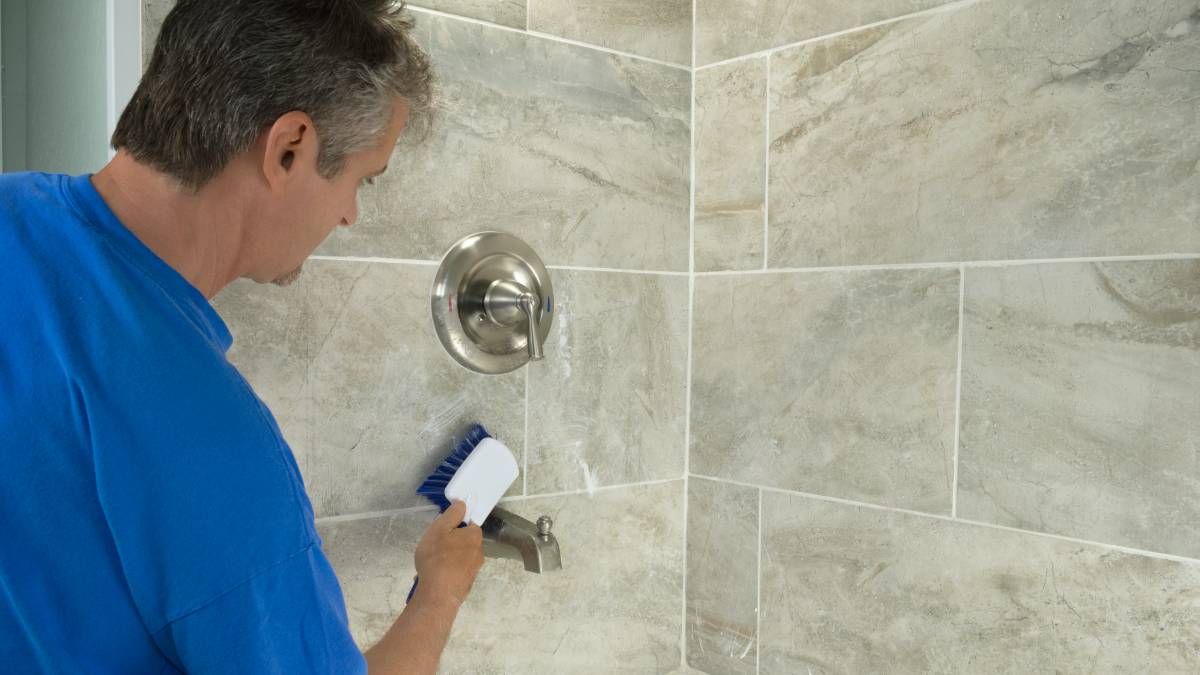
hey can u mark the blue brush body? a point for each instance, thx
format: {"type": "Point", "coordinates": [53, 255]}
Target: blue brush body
{"type": "Point", "coordinates": [434, 487]}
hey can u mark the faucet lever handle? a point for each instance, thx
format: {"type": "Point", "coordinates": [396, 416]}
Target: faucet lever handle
{"type": "Point", "coordinates": [530, 304]}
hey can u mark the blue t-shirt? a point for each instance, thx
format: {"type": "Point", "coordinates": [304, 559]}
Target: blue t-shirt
{"type": "Point", "coordinates": [152, 518]}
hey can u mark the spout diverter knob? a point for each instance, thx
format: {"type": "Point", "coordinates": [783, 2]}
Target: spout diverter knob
{"type": "Point", "coordinates": [543, 525]}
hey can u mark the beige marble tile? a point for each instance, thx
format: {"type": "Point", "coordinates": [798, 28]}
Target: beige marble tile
{"type": "Point", "coordinates": [614, 607]}
{"type": "Point", "coordinates": [153, 13]}
{"type": "Point", "coordinates": [504, 12]}
{"type": "Point", "coordinates": [729, 28]}
{"type": "Point", "coordinates": [658, 29]}
{"type": "Point", "coordinates": [722, 579]}
{"type": "Point", "coordinates": [388, 401]}
{"type": "Point", "coordinates": [379, 404]}
{"type": "Point", "coordinates": [271, 349]}
{"type": "Point", "coordinates": [731, 119]}
{"type": "Point", "coordinates": [582, 153]}
{"type": "Point", "coordinates": [1000, 130]}
{"type": "Point", "coordinates": [837, 383]}
{"type": "Point", "coordinates": [1081, 401]}
{"type": "Point", "coordinates": [855, 590]}
{"type": "Point", "coordinates": [607, 406]}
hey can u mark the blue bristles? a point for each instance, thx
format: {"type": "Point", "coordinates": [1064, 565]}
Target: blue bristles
{"type": "Point", "coordinates": [434, 487]}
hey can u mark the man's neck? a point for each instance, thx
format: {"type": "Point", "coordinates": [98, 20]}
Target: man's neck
{"type": "Point", "coordinates": [198, 233]}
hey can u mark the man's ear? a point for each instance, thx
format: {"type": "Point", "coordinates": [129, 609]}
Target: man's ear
{"type": "Point", "coordinates": [291, 148]}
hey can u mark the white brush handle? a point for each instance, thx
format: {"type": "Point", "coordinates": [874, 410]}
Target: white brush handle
{"type": "Point", "coordinates": [484, 477]}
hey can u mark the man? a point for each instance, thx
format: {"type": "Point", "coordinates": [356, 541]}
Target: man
{"type": "Point", "coordinates": [152, 518]}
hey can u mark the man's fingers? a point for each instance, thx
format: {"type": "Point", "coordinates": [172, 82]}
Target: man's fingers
{"type": "Point", "coordinates": [453, 515]}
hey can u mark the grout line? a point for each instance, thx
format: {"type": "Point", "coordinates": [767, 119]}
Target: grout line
{"type": "Point", "coordinates": [470, 19]}
{"type": "Point", "coordinates": [683, 589]}
{"type": "Point", "coordinates": [806, 41]}
{"type": "Point", "coordinates": [1084, 259]}
{"type": "Point", "coordinates": [431, 263]}
{"type": "Point", "coordinates": [767, 169]}
{"type": "Point", "coordinates": [613, 270]}
{"type": "Point", "coordinates": [525, 459]}
{"type": "Point", "coordinates": [691, 314]}
{"type": "Point", "coordinates": [841, 268]}
{"type": "Point", "coordinates": [962, 294]}
{"type": "Point", "coordinates": [357, 259]}
{"type": "Point", "coordinates": [951, 519]}
{"type": "Point", "coordinates": [547, 36]}
{"type": "Point", "coordinates": [694, 21]}
{"type": "Point", "coordinates": [691, 307]}
{"type": "Point", "coordinates": [1076, 540]}
{"type": "Point", "coordinates": [589, 492]}
{"type": "Point", "coordinates": [529, 14]}
{"type": "Point", "coordinates": [799, 270]}
{"type": "Point", "coordinates": [365, 515]}
{"type": "Point", "coordinates": [957, 265]}
{"type": "Point", "coordinates": [609, 50]}
{"type": "Point", "coordinates": [758, 601]}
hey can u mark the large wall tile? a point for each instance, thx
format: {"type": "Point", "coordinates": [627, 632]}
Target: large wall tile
{"type": "Point", "coordinates": [659, 29]}
{"type": "Point", "coordinates": [1001, 130]}
{"type": "Point", "coordinates": [1081, 401]}
{"type": "Point", "coordinates": [614, 607]}
{"type": "Point", "coordinates": [729, 28]}
{"type": "Point", "coordinates": [722, 578]}
{"type": "Point", "coordinates": [388, 401]}
{"type": "Point", "coordinates": [272, 346]}
{"type": "Point", "coordinates": [607, 406]}
{"type": "Point", "coordinates": [381, 402]}
{"type": "Point", "coordinates": [855, 590]}
{"type": "Point", "coordinates": [581, 153]}
{"type": "Point", "coordinates": [504, 12]}
{"type": "Point", "coordinates": [153, 14]}
{"type": "Point", "coordinates": [838, 383]}
{"type": "Point", "coordinates": [731, 164]}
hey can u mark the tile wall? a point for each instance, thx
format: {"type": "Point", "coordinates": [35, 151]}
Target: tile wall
{"type": "Point", "coordinates": [879, 347]}
{"type": "Point", "coordinates": [945, 392]}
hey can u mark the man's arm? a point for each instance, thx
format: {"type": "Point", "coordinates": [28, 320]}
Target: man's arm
{"type": "Point", "coordinates": [448, 558]}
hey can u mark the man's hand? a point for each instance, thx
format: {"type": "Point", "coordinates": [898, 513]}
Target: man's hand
{"type": "Point", "coordinates": [448, 558]}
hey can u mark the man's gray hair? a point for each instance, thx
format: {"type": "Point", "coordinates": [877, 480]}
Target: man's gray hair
{"type": "Point", "coordinates": [223, 71]}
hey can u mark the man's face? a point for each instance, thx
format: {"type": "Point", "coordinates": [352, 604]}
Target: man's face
{"type": "Point", "coordinates": [314, 205]}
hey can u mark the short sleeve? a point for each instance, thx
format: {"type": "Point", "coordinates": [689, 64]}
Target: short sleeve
{"type": "Point", "coordinates": [288, 619]}
{"type": "Point", "coordinates": [208, 513]}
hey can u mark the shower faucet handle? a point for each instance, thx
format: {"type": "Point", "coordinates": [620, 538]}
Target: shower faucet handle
{"type": "Point", "coordinates": [492, 303]}
{"type": "Point", "coordinates": [509, 303]}
{"type": "Point", "coordinates": [531, 305]}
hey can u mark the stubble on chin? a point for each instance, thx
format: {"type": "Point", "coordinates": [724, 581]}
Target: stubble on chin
{"type": "Point", "coordinates": [289, 278]}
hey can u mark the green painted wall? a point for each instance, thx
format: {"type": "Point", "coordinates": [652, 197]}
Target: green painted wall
{"type": "Point", "coordinates": [53, 85]}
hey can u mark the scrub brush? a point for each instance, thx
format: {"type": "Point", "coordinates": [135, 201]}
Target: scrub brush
{"type": "Point", "coordinates": [478, 472]}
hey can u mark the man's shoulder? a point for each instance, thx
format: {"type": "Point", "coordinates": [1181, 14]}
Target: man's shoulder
{"type": "Point", "coordinates": [192, 467]}
{"type": "Point", "coordinates": [27, 188]}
